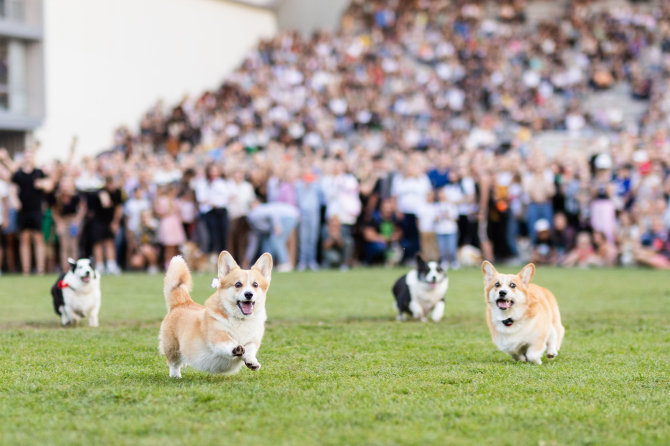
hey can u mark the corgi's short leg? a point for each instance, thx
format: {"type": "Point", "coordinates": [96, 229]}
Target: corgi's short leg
{"type": "Point", "coordinates": [438, 311]}
{"type": "Point", "coordinates": [417, 311]}
{"type": "Point", "coordinates": [175, 369]}
{"type": "Point", "coordinates": [535, 351]}
{"type": "Point", "coordinates": [520, 353]}
{"type": "Point", "coordinates": [169, 346]}
{"type": "Point", "coordinates": [230, 348]}
{"type": "Point", "coordinates": [249, 356]}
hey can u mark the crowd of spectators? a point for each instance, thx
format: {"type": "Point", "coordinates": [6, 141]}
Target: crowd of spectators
{"type": "Point", "coordinates": [410, 129]}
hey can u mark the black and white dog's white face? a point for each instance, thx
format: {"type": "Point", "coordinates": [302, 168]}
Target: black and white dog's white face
{"type": "Point", "coordinates": [430, 273]}
{"type": "Point", "coordinates": [83, 269]}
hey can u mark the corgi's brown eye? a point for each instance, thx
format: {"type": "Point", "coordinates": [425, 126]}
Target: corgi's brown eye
{"type": "Point", "coordinates": [512, 285]}
{"type": "Point", "coordinates": [255, 284]}
{"type": "Point", "coordinates": [497, 284]}
{"type": "Point", "coordinates": [238, 284]}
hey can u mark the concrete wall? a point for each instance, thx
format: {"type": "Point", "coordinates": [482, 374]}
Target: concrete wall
{"type": "Point", "coordinates": [107, 62]}
{"type": "Point", "coordinates": [309, 15]}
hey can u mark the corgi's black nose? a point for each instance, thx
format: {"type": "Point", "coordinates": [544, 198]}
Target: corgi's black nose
{"type": "Point", "coordinates": [503, 293]}
{"type": "Point", "coordinates": [248, 295]}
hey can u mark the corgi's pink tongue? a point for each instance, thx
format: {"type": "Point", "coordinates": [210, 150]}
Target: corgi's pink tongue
{"type": "Point", "coordinates": [504, 304]}
{"type": "Point", "coordinates": [246, 307]}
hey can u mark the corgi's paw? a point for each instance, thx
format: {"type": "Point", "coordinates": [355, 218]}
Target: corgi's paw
{"type": "Point", "coordinates": [238, 351]}
{"type": "Point", "coordinates": [254, 365]}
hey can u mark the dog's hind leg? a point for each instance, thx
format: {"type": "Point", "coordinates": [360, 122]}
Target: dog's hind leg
{"type": "Point", "coordinates": [438, 311]}
{"type": "Point", "coordinates": [552, 343]}
{"type": "Point", "coordinates": [169, 346]}
{"type": "Point", "coordinates": [175, 369]}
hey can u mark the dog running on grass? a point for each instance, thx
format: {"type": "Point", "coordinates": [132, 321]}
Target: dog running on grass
{"type": "Point", "coordinates": [523, 318]}
{"type": "Point", "coordinates": [224, 333]}
{"type": "Point", "coordinates": [76, 293]}
{"type": "Point", "coordinates": [420, 292]}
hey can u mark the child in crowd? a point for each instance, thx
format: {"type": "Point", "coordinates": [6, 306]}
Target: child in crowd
{"type": "Point", "coordinates": [446, 225]}
{"type": "Point", "coordinates": [170, 229]}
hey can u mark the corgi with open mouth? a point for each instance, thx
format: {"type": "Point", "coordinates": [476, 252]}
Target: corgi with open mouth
{"type": "Point", "coordinates": [226, 332]}
{"type": "Point", "coordinates": [523, 317]}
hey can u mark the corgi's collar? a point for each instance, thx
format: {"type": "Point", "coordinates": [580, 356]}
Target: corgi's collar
{"type": "Point", "coordinates": [507, 322]}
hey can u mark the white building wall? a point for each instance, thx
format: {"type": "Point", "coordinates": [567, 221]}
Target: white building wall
{"type": "Point", "coordinates": [107, 62]}
{"type": "Point", "coordinates": [310, 15]}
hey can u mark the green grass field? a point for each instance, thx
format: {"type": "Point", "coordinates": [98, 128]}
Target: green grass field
{"type": "Point", "coordinates": [338, 369]}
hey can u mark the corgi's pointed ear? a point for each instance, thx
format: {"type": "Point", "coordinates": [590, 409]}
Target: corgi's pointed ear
{"type": "Point", "coordinates": [420, 262]}
{"type": "Point", "coordinates": [72, 262]}
{"type": "Point", "coordinates": [226, 264]}
{"type": "Point", "coordinates": [527, 273]}
{"type": "Point", "coordinates": [264, 265]}
{"type": "Point", "coordinates": [488, 270]}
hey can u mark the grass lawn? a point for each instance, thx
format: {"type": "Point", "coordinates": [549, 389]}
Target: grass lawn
{"type": "Point", "coordinates": [338, 369]}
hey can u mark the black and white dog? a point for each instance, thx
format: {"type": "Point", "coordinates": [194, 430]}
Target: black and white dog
{"type": "Point", "coordinates": [421, 292]}
{"type": "Point", "coordinates": [76, 293]}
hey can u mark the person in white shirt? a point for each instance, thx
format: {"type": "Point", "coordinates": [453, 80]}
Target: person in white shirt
{"type": "Point", "coordinates": [426, 216]}
{"type": "Point", "coordinates": [212, 193]}
{"type": "Point", "coordinates": [241, 196]}
{"type": "Point", "coordinates": [341, 196]}
{"type": "Point", "coordinates": [410, 191]}
{"type": "Point", "coordinates": [446, 224]}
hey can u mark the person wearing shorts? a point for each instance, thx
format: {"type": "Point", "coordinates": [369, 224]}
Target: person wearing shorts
{"type": "Point", "coordinates": [32, 184]}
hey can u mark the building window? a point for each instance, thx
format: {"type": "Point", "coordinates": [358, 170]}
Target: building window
{"type": "Point", "coordinates": [12, 10]}
{"type": "Point", "coordinates": [4, 74]}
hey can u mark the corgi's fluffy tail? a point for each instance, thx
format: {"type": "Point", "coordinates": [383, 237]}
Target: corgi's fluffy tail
{"type": "Point", "coordinates": [178, 283]}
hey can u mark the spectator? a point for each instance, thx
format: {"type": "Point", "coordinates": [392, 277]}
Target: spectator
{"type": "Point", "coordinates": [655, 250]}
{"type": "Point", "coordinates": [4, 212]}
{"type": "Point", "coordinates": [170, 228]}
{"type": "Point", "coordinates": [538, 184]}
{"type": "Point", "coordinates": [309, 198]}
{"type": "Point", "coordinates": [213, 195]}
{"type": "Point", "coordinates": [241, 196]}
{"type": "Point", "coordinates": [143, 252]}
{"type": "Point", "coordinates": [583, 254]}
{"type": "Point", "coordinates": [68, 210]}
{"type": "Point", "coordinates": [446, 225]}
{"type": "Point", "coordinates": [273, 223]}
{"type": "Point", "coordinates": [32, 184]}
{"type": "Point", "coordinates": [337, 250]}
{"type": "Point", "coordinates": [104, 219]}
{"type": "Point", "coordinates": [382, 235]}
{"type": "Point", "coordinates": [410, 191]}
{"type": "Point", "coordinates": [544, 251]}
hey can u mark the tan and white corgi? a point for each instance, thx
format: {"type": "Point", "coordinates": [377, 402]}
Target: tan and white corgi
{"type": "Point", "coordinates": [224, 333]}
{"type": "Point", "coordinates": [523, 318]}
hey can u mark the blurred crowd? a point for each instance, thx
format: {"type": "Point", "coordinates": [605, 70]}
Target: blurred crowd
{"type": "Point", "coordinates": [410, 129]}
